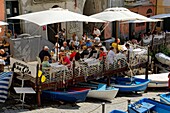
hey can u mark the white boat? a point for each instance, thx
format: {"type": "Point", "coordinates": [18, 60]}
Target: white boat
{"type": "Point", "coordinates": [163, 58]}
{"type": "Point", "coordinates": [156, 80]}
{"type": "Point", "coordinates": [100, 91]}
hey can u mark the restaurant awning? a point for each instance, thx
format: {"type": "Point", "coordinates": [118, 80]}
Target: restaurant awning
{"type": "Point", "coordinates": [55, 15]}
{"type": "Point", "coordinates": [141, 21]}
{"type": "Point", "coordinates": [160, 16]}
{"type": "Point", "coordinates": [118, 14]}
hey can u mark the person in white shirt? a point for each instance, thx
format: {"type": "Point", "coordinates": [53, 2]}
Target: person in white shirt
{"type": "Point", "coordinates": [54, 51]}
{"type": "Point", "coordinates": [110, 56]}
{"type": "Point", "coordinates": [129, 52]}
{"type": "Point", "coordinates": [101, 46]}
{"type": "Point", "coordinates": [130, 49]}
{"type": "Point", "coordinates": [96, 32]}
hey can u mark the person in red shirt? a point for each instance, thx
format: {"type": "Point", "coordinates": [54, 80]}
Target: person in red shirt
{"type": "Point", "coordinates": [72, 55]}
{"type": "Point", "coordinates": [102, 54]}
{"type": "Point", "coordinates": [64, 59]}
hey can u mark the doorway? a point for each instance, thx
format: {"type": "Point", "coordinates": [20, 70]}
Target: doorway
{"type": "Point", "coordinates": [53, 29]}
{"type": "Point", "coordinates": [12, 9]}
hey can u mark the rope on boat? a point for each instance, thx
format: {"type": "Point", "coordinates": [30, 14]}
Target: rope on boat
{"type": "Point", "coordinates": [128, 64]}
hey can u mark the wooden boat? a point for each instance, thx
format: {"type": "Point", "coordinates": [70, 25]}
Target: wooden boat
{"type": "Point", "coordinates": [100, 91]}
{"type": "Point", "coordinates": [165, 98]}
{"type": "Point", "coordinates": [163, 58]}
{"type": "Point", "coordinates": [146, 105]}
{"type": "Point", "coordinates": [129, 84]}
{"type": "Point", "coordinates": [117, 111]}
{"type": "Point", "coordinates": [72, 95]}
{"type": "Point", "coordinates": [156, 80]}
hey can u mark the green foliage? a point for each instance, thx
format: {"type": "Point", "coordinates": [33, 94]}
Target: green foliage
{"type": "Point", "coordinates": [163, 49]}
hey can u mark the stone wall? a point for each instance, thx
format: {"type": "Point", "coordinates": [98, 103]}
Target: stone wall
{"type": "Point", "coordinates": [71, 27]}
{"type": "Point", "coordinates": [2, 16]}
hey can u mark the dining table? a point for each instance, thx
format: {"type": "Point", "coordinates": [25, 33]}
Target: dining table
{"type": "Point", "coordinates": [91, 63]}
{"type": "Point", "coordinates": [56, 67]}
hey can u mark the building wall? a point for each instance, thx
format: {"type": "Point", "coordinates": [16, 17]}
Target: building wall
{"type": "Point", "coordinates": [2, 16]}
{"type": "Point", "coordinates": [163, 6]}
{"type": "Point", "coordinates": [141, 9]}
{"type": "Point", "coordinates": [93, 7]}
{"type": "Point", "coordinates": [144, 13]}
{"type": "Point", "coordinates": [27, 6]}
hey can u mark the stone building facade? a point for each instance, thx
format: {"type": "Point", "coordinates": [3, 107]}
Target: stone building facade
{"type": "Point", "coordinates": [86, 7]}
{"type": "Point", "coordinates": [2, 16]}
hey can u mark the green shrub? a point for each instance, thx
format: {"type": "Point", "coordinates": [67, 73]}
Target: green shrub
{"type": "Point", "coordinates": [163, 49]}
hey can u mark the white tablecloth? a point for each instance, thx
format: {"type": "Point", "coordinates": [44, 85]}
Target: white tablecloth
{"type": "Point", "coordinates": [92, 61]}
{"type": "Point", "coordinates": [57, 67]}
{"type": "Point", "coordinates": [159, 36]}
{"type": "Point", "coordinates": [2, 61]}
{"type": "Point", "coordinates": [139, 51]}
{"type": "Point", "coordinates": [24, 90]}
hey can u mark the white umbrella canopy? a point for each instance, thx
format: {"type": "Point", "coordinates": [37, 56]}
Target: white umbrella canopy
{"type": "Point", "coordinates": [55, 15]}
{"type": "Point", "coordinates": [118, 14]}
{"type": "Point", "coordinates": [3, 23]}
{"type": "Point", "coordinates": [160, 16]}
{"type": "Point", "coordinates": [141, 21]}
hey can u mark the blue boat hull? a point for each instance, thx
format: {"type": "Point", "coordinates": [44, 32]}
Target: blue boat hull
{"type": "Point", "coordinates": [147, 105]}
{"type": "Point", "coordinates": [126, 85]}
{"type": "Point", "coordinates": [165, 98]}
{"type": "Point", "coordinates": [117, 111]}
{"type": "Point", "coordinates": [71, 96]}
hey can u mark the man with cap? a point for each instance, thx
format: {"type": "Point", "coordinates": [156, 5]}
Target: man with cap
{"type": "Point", "coordinates": [101, 46]}
{"type": "Point", "coordinates": [44, 52]}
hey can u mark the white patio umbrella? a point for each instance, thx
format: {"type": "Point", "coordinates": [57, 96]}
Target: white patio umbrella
{"type": "Point", "coordinates": [3, 23]}
{"type": "Point", "coordinates": [141, 21]}
{"type": "Point", "coordinates": [160, 16]}
{"type": "Point", "coordinates": [55, 15]}
{"type": "Point", "coordinates": [118, 14]}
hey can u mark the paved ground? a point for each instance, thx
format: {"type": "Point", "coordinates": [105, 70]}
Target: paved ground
{"type": "Point", "coordinates": [90, 106]}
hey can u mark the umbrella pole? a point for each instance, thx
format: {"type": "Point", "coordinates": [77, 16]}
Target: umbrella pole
{"type": "Point", "coordinates": [57, 56]}
{"type": "Point", "coordinates": [116, 39]}
{"type": "Point", "coordinates": [105, 27]}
